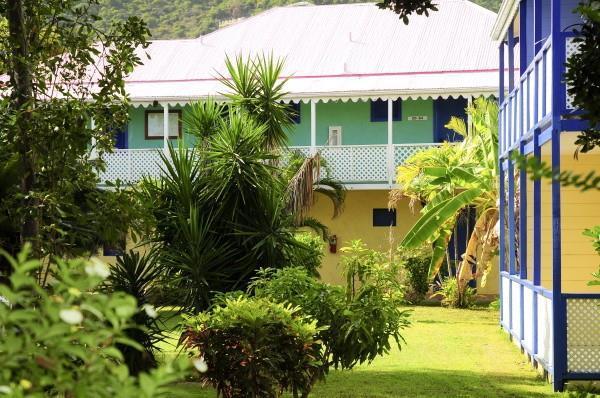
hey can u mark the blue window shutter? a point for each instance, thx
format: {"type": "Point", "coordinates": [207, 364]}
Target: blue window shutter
{"type": "Point", "coordinates": [443, 110]}
{"type": "Point", "coordinates": [296, 116]}
{"type": "Point", "coordinates": [379, 110]}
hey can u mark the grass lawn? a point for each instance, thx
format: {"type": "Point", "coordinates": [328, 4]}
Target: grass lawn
{"type": "Point", "coordinates": [450, 353]}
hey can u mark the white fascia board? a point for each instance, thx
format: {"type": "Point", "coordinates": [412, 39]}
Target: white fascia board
{"type": "Point", "coordinates": [507, 13]}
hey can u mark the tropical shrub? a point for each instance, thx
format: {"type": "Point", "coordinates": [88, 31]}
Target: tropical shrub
{"type": "Point", "coordinates": [415, 264]}
{"type": "Point", "coordinates": [63, 341]}
{"type": "Point", "coordinates": [224, 209]}
{"type": "Point", "coordinates": [449, 179]}
{"type": "Point", "coordinates": [356, 325]}
{"type": "Point", "coordinates": [311, 259]}
{"type": "Point", "coordinates": [451, 297]}
{"type": "Point", "coordinates": [137, 274]}
{"type": "Point", "coordinates": [253, 347]}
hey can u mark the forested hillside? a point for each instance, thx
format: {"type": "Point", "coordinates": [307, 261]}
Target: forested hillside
{"type": "Point", "coordinates": [169, 19]}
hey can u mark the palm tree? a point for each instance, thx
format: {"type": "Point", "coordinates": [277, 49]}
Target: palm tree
{"type": "Point", "coordinates": [451, 178]}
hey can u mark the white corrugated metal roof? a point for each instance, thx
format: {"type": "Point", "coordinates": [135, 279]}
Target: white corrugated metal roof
{"type": "Point", "coordinates": [348, 51]}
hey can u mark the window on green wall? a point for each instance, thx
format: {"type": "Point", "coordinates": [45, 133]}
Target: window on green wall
{"type": "Point", "coordinates": [154, 124]}
{"type": "Point", "coordinates": [379, 110]}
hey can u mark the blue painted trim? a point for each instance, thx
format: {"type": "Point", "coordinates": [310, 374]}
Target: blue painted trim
{"type": "Point", "coordinates": [523, 219]}
{"type": "Point", "coordinates": [511, 217]}
{"type": "Point", "coordinates": [523, 36]}
{"type": "Point", "coordinates": [528, 148]}
{"type": "Point", "coordinates": [537, 218]}
{"type": "Point", "coordinates": [511, 57]}
{"type": "Point", "coordinates": [574, 124]}
{"type": "Point", "coordinates": [501, 72]}
{"type": "Point", "coordinates": [537, 240]}
{"type": "Point", "coordinates": [558, 101]}
{"type": "Point", "coordinates": [538, 289]}
{"type": "Point", "coordinates": [501, 254]}
{"type": "Point", "coordinates": [537, 25]}
{"type": "Point", "coordinates": [545, 136]}
{"type": "Point", "coordinates": [581, 295]}
{"type": "Point", "coordinates": [582, 376]}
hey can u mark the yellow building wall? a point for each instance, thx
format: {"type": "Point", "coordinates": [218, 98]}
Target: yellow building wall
{"type": "Point", "coordinates": [546, 223]}
{"type": "Point", "coordinates": [356, 222]}
{"type": "Point", "coordinates": [579, 210]}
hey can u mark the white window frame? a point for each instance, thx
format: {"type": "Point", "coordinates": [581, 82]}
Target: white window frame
{"type": "Point", "coordinates": [337, 130]}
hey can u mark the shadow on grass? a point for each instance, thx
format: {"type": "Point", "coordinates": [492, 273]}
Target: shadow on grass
{"type": "Point", "coordinates": [365, 383]}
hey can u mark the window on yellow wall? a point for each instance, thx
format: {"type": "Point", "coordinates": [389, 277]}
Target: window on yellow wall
{"type": "Point", "coordinates": [384, 217]}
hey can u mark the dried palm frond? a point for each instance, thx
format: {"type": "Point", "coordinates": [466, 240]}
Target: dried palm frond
{"type": "Point", "coordinates": [300, 190]}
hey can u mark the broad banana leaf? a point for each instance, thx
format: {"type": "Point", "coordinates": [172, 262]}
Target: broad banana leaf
{"type": "Point", "coordinates": [432, 220]}
{"type": "Point", "coordinates": [439, 252]}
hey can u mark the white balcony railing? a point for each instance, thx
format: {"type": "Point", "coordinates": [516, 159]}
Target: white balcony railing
{"type": "Point", "coordinates": [529, 105]}
{"type": "Point", "coordinates": [351, 164]}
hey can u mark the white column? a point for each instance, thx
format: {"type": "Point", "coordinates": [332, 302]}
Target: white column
{"type": "Point", "coordinates": [166, 127]}
{"type": "Point", "coordinates": [94, 152]}
{"type": "Point", "coordinates": [390, 144]}
{"type": "Point", "coordinates": [313, 127]}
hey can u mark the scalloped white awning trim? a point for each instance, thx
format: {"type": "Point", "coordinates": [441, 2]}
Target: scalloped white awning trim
{"type": "Point", "coordinates": [328, 97]}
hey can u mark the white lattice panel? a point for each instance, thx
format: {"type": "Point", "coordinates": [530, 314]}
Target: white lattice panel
{"type": "Point", "coordinates": [403, 152]}
{"type": "Point", "coordinates": [570, 48]}
{"type": "Point", "coordinates": [583, 335]}
{"type": "Point", "coordinates": [130, 165]}
{"type": "Point", "coordinates": [357, 163]}
{"type": "Point", "coordinates": [544, 315]}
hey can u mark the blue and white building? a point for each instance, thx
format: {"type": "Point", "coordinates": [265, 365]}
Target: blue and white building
{"type": "Point", "coordinates": [545, 261]}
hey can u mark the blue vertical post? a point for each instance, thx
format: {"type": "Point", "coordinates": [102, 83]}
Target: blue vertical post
{"type": "Point", "coordinates": [537, 25]}
{"type": "Point", "coordinates": [523, 20]}
{"type": "Point", "coordinates": [511, 217]}
{"type": "Point", "coordinates": [511, 58]}
{"type": "Point", "coordinates": [501, 72]}
{"type": "Point", "coordinates": [558, 304]}
{"type": "Point", "coordinates": [511, 234]}
{"type": "Point", "coordinates": [522, 237]}
{"type": "Point", "coordinates": [537, 239]}
{"type": "Point", "coordinates": [501, 243]}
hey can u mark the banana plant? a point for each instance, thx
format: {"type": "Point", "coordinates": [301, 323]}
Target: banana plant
{"type": "Point", "coordinates": [451, 178]}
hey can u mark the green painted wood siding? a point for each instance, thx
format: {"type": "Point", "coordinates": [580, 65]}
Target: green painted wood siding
{"type": "Point", "coordinates": [136, 127]}
{"type": "Point", "coordinates": [353, 117]}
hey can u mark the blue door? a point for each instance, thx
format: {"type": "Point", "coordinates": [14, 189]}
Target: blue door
{"type": "Point", "coordinates": [121, 139]}
{"type": "Point", "coordinates": [443, 110]}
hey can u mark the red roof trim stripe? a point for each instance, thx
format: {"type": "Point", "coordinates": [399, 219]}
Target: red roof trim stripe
{"type": "Point", "coordinates": [441, 72]}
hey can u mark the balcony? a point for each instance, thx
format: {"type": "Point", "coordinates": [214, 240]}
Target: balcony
{"type": "Point", "coordinates": [529, 106]}
{"type": "Point", "coordinates": [357, 166]}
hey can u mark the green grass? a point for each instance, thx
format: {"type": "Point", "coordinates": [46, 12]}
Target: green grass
{"type": "Point", "coordinates": [449, 353]}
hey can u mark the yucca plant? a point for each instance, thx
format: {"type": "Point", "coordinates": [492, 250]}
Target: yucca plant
{"type": "Point", "coordinates": [450, 178]}
{"type": "Point", "coordinates": [256, 86]}
{"type": "Point", "coordinates": [137, 274]}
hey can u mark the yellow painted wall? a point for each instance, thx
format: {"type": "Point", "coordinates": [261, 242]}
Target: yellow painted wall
{"type": "Point", "coordinates": [579, 210]}
{"type": "Point", "coordinates": [356, 222]}
{"type": "Point", "coordinates": [546, 223]}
